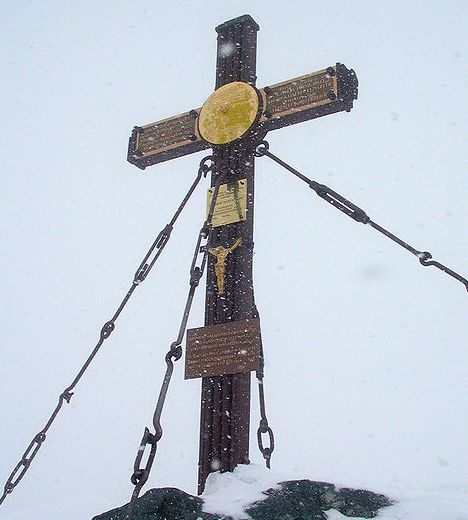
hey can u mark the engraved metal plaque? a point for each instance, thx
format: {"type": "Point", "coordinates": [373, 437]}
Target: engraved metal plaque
{"type": "Point", "coordinates": [307, 97]}
{"type": "Point", "coordinates": [301, 93]}
{"type": "Point", "coordinates": [166, 134]}
{"type": "Point", "coordinates": [231, 203]}
{"type": "Point", "coordinates": [165, 139]}
{"type": "Point", "coordinates": [229, 348]}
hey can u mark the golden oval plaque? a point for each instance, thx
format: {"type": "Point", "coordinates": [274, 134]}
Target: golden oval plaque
{"type": "Point", "coordinates": [229, 113]}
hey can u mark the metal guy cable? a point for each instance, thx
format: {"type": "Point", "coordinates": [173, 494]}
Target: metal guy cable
{"type": "Point", "coordinates": [140, 475]}
{"type": "Point", "coordinates": [356, 213]}
{"type": "Point", "coordinates": [142, 272]}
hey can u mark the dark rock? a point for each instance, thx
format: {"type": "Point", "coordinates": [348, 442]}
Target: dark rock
{"type": "Point", "coordinates": [359, 502]}
{"type": "Point", "coordinates": [308, 500]}
{"type": "Point", "coordinates": [292, 500]}
{"type": "Point", "coordinates": [164, 504]}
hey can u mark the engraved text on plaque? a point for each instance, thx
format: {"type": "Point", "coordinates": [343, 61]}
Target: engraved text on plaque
{"type": "Point", "coordinates": [228, 348]}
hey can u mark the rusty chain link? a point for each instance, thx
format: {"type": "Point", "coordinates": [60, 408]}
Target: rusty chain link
{"type": "Point", "coordinates": [264, 427]}
{"type": "Point", "coordinates": [197, 268]}
{"type": "Point", "coordinates": [142, 272]}
{"type": "Point", "coordinates": [356, 213]}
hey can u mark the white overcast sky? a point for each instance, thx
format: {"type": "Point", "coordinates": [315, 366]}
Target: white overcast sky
{"type": "Point", "coordinates": [366, 350]}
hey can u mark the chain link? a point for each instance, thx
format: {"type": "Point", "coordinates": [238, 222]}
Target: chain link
{"type": "Point", "coordinates": [357, 214]}
{"type": "Point", "coordinates": [264, 427]}
{"type": "Point", "coordinates": [197, 268]}
{"type": "Point", "coordinates": [142, 272]}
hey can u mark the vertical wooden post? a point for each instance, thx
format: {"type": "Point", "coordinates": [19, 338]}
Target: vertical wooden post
{"type": "Point", "coordinates": [225, 400]}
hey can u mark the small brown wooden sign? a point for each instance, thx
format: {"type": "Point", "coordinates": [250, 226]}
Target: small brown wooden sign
{"type": "Point", "coordinates": [228, 348]}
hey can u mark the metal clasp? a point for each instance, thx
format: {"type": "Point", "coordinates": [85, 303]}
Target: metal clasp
{"type": "Point", "coordinates": [140, 475]}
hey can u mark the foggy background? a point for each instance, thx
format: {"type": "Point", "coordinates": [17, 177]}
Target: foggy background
{"type": "Point", "coordinates": [365, 349]}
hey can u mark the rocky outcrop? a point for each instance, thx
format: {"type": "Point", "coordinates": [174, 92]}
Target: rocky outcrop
{"type": "Point", "coordinates": [308, 500]}
{"type": "Point", "coordinates": [292, 500]}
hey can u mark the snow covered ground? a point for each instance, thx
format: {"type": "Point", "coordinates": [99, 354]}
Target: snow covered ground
{"type": "Point", "coordinates": [229, 493]}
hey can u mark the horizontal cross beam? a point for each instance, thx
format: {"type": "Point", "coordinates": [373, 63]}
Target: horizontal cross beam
{"type": "Point", "coordinates": [307, 97]}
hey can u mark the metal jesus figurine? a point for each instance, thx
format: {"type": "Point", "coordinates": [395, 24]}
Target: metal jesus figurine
{"type": "Point", "coordinates": [220, 267]}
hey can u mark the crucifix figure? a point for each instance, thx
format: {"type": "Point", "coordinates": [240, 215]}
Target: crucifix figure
{"type": "Point", "coordinates": [232, 121]}
{"type": "Point", "coordinates": [220, 267]}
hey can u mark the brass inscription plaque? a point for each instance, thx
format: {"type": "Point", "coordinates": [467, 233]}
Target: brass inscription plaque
{"type": "Point", "coordinates": [231, 203]}
{"type": "Point", "coordinates": [229, 348]}
{"type": "Point", "coordinates": [300, 93]}
{"type": "Point", "coordinates": [166, 134]}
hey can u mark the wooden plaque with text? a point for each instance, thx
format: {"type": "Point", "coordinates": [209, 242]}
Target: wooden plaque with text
{"type": "Point", "coordinates": [228, 348]}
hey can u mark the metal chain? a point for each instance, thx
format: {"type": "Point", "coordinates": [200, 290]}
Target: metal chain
{"type": "Point", "coordinates": [140, 475]}
{"type": "Point", "coordinates": [264, 427]}
{"type": "Point", "coordinates": [141, 273]}
{"type": "Point", "coordinates": [356, 213]}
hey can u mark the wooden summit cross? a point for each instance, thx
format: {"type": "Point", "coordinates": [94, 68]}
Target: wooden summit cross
{"type": "Point", "coordinates": [232, 121]}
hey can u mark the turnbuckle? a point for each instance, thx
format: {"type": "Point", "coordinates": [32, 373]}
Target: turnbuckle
{"type": "Point", "coordinates": [356, 213]}
{"type": "Point", "coordinates": [339, 202]}
{"type": "Point", "coordinates": [23, 465]}
{"type": "Point", "coordinates": [140, 475]}
{"type": "Point", "coordinates": [161, 240]}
